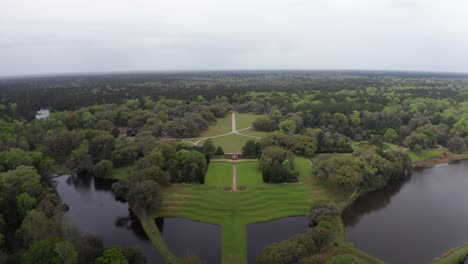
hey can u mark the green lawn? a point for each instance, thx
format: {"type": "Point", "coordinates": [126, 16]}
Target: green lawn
{"type": "Point", "coordinates": [121, 172]}
{"type": "Point", "coordinates": [219, 174]}
{"type": "Point", "coordinates": [260, 202]}
{"type": "Point", "coordinates": [304, 167]}
{"type": "Point", "coordinates": [244, 120]}
{"type": "Point", "coordinates": [251, 132]}
{"type": "Point", "coordinates": [425, 154]}
{"type": "Point", "coordinates": [248, 174]}
{"type": "Point", "coordinates": [230, 143]}
{"type": "Point", "coordinates": [222, 126]}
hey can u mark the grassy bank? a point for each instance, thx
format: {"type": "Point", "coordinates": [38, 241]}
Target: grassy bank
{"type": "Point", "coordinates": [452, 256]}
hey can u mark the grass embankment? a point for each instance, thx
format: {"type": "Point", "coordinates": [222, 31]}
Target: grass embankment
{"type": "Point", "coordinates": [452, 256]}
{"type": "Point", "coordinates": [234, 210]}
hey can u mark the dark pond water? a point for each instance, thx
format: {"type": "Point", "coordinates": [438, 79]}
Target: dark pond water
{"type": "Point", "coordinates": [260, 235]}
{"type": "Point", "coordinates": [94, 210]}
{"type": "Point", "coordinates": [415, 220]}
{"type": "Point", "coordinates": [191, 238]}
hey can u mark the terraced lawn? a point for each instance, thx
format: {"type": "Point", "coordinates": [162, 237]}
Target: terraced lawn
{"type": "Point", "coordinates": [248, 174]}
{"type": "Point", "coordinates": [260, 202]}
{"type": "Point", "coordinates": [219, 174]}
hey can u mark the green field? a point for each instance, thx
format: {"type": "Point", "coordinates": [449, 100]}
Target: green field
{"type": "Point", "coordinates": [244, 120]}
{"type": "Point", "coordinates": [248, 174]}
{"type": "Point", "coordinates": [222, 126]}
{"type": "Point", "coordinates": [253, 133]}
{"type": "Point", "coordinates": [219, 174]}
{"type": "Point", "coordinates": [121, 172]}
{"type": "Point", "coordinates": [425, 154]}
{"type": "Point", "coordinates": [304, 167]}
{"type": "Point", "coordinates": [230, 143]}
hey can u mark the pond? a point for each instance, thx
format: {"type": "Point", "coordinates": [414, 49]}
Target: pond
{"type": "Point", "coordinates": [94, 209]}
{"type": "Point", "coordinates": [260, 235]}
{"type": "Point", "coordinates": [414, 220]}
{"type": "Point", "coordinates": [191, 238]}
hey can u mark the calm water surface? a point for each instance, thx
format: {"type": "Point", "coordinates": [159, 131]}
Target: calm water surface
{"type": "Point", "coordinates": [93, 208]}
{"type": "Point", "coordinates": [260, 235]}
{"type": "Point", "coordinates": [191, 238]}
{"type": "Point", "coordinates": [415, 220]}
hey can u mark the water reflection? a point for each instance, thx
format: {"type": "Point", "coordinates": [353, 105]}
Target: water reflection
{"type": "Point", "coordinates": [260, 235]}
{"type": "Point", "coordinates": [191, 238]}
{"type": "Point", "coordinates": [415, 220]}
{"type": "Point", "coordinates": [372, 202]}
{"type": "Point", "coordinates": [94, 209]}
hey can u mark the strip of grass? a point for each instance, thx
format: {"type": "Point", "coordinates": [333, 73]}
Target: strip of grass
{"type": "Point", "coordinates": [248, 174]}
{"type": "Point", "coordinates": [425, 154]}
{"type": "Point", "coordinates": [122, 173]}
{"type": "Point", "coordinates": [452, 256]}
{"type": "Point", "coordinates": [304, 167]}
{"type": "Point", "coordinates": [219, 174]}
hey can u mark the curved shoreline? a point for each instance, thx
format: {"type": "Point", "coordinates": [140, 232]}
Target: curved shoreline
{"type": "Point", "coordinates": [440, 160]}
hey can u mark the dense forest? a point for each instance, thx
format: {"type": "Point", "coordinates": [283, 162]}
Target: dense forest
{"type": "Point", "coordinates": [304, 113]}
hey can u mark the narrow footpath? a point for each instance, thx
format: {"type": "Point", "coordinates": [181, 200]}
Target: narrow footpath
{"type": "Point", "coordinates": [234, 178]}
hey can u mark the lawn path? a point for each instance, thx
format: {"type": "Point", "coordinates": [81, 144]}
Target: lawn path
{"type": "Point", "coordinates": [234, 178]}
{"type": "Point", "coordinates": [233, 119]}
{"type": "Point", "coordinates": [233, 131]}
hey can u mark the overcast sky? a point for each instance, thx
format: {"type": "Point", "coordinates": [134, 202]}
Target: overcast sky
{"type": "Point", "coordinates": [62, 36]}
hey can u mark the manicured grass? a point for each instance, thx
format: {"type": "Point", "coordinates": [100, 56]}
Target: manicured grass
{"type": "Point", "coordinates": [452, 256]}
{"type": "Point", "coordinates": [230, 143]}
{"type": "Point", "coordinates": [234, 210]}
{"type": "Point", "coordinates": [425, 154]}
{"type": "Point", "coordinates": [244, 120]}
{"type": "Point", "coordinates": [248, 174]}
{"type": "Point", "coordinates": [121, 172]}
{"type": "Point", "coordinates": [304, 167]}
{"type": "Point", "coordinates": [222, 126]}
{"type": "Point", "coordinates": [260, 202]}
{"type": "Point", "coordinates": [254, 133]}
{"type": "Point", "coordinates": [219, 174]}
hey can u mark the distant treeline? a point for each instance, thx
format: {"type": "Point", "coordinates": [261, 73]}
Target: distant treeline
{"type": "Point", "coordinates": [75, 91]}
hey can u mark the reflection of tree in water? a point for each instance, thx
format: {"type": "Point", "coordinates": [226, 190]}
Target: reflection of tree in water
{"type": "Point", "coordinates": [103, 184]}
{"type": "Point", "coordinates": [80, 182]}
{"type": "Point", "coordinates": [132, 223]}
{"type": "Point", "coordinates": [372, 201]}
{"type": "Point", "coordinates": [160, 224]}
